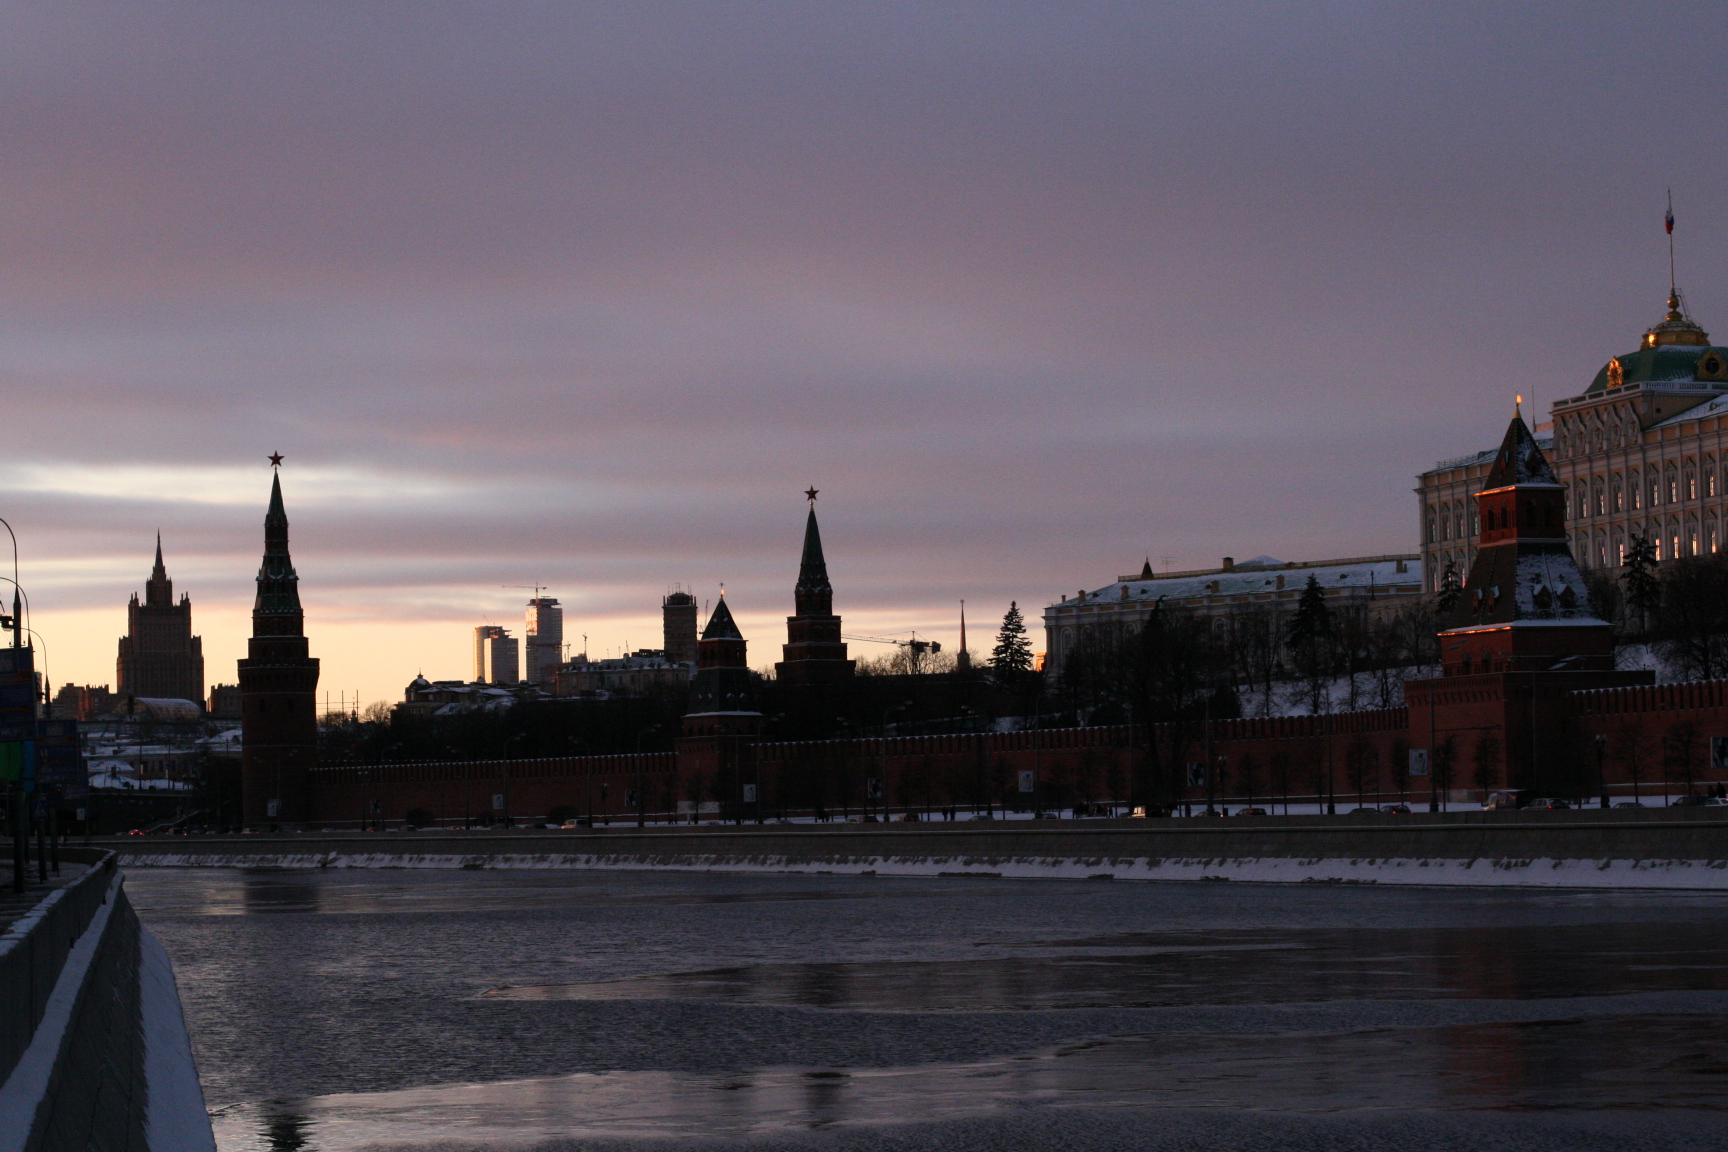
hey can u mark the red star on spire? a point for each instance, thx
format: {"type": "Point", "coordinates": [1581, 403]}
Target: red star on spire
{"type": "Point", "coordinates": [810, 494]}
{"type": "Point", "coordinates": [276, 459]}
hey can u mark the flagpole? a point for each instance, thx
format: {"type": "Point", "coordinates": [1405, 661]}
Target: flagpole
{"type": "Point", "coordinates": [1668, 222]}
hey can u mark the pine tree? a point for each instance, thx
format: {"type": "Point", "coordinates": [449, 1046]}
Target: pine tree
{"type": "Point", "coordinates": [1451, 591]}
{"type": "Point", "coordinates": [1013, 652]}
{"type": "Point", "coordinates": [1643, 590]}
{"type": "Point", "coordinates": [1312, 621]}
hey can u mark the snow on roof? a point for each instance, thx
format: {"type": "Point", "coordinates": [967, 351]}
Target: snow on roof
{"type": "Point", "coordinates": [1714, 407]}
{"type": "Point", "coordinates": [1378, 572]}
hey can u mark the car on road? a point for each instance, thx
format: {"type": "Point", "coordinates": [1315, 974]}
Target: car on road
{"type": "Point", "coordinates": [1697, 802]}
{"type": "Point", "coordinates": [1250, 811]}
{"type": "Point", "coordinates": [1553, 802]}
{"type": "Point", "coordinates": [1401, 809]}
{"type": "Point", "coordinates": [1374, 811]}
{"type": "Point", "coordinates": [1627, 804]}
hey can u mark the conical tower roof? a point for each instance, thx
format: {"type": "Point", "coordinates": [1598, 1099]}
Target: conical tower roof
{"type": "Point", "coordinates": [812, 566]}
{"type": "Point", "coordinates": [1519, 461]}
{"type": "Point", "coordinates": [721, 626]}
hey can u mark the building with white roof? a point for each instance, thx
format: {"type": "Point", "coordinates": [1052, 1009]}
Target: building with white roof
{"type": "Point", "coordinates": [1377, 584]}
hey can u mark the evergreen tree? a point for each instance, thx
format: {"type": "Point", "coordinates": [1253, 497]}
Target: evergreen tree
{"type": "Point", "coordinates": [1312, 622]}
{"type": "Point", "coordinates": [1643, 590]}
{"type": "Point", "coordinates": [1013, 652]}
{"type": "Point", "coordinates": [1451, 591]}
{"type": "Point", "coordinates": [1311, 644]}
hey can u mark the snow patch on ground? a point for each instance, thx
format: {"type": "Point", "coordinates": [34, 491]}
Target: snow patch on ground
{"type": "Point", "coordinates": [1480, 872]}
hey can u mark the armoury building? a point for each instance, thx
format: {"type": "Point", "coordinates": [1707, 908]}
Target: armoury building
{"type": "Point", "coordinates": [1640, 451]}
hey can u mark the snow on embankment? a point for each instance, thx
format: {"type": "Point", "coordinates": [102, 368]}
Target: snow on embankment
{"type": "Point", "coordinates": [1541, 872]}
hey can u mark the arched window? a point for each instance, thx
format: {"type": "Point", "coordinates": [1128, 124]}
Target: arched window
{"type": "Point", "coordinates": [1599, 495]}
{"type": "Point", "coordinates": [1616, 501]}
{"type": "Point", "coordinates": [1633, 490]}
{"type": "Point", "coordinates": [1671, 485]}
{"type": "Point", "coordinates": [1711, 544]}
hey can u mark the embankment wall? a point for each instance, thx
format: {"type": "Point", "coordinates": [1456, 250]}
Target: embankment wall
{"type": "Point", "coordinates": [93, 1047]}
{"type": "Point", "coordinates": [1614, 848]}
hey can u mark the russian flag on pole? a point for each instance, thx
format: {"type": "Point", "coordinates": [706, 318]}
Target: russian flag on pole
{"type": "Point", "coordinates": [1668, 219]}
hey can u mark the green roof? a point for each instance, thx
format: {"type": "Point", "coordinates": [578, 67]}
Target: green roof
{"type": "Point", "coordinates": [1665, 363]}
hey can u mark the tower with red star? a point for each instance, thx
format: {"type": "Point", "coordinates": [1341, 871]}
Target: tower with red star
{"type": "Point", "coordinates": [278, 686]}
{"type": "Point", "coordinates": [814, 656]}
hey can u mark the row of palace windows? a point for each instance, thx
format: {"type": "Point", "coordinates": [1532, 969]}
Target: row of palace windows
{"type": "Point", "coordinates": [1605, 495]}
{"type": "Point", "coordinates": [1673, 540]}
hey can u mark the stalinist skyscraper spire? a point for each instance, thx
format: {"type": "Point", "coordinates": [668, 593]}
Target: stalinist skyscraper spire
{"type": "Point", "coordinates": [278, 683]}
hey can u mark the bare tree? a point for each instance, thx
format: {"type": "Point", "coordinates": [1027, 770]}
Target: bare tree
{"type": "Point", "coordinates": [1679, 753]}
{"type": "Point", "coordinates": [1486, 755]}
{"type": "Point", "coordinates": [1626, 747]}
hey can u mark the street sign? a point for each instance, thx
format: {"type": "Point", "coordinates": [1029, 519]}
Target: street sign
{"type": "Point", "coordinates": [1418, 761]}
{"type": "Point", "coordinates": [497, 801]}
{"type": "Point", "coordinates": [1028, 780]}
{"type": "Point", "coordinates": [271, 807]}
{"type": "Point", "coordinates": [377, 806]}
{"type": "Point", "coordinates": [749, 793]}
{"type": "Point", "coordinates": [873, 788]}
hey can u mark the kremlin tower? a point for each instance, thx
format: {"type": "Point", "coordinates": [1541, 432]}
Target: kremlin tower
{"type": "Point", "coordinates": [814, 656]}
{"type": "Point", "coordinates": [278, 682]}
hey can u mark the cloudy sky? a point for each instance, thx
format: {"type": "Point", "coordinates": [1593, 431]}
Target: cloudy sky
{"type": "Point", "coordinates": [586, 294]}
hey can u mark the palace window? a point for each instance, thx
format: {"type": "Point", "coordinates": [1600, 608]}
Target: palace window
{"type": "Point", "coordinates": [1710, 537]}
{"type": "Point", "coordinates": [1673, 487]}
{"type": "Point", "coordinates": [1600, 492]}
{"type": "Point", "coordinates": [1615, 495]}
{"type": "Point", "coordinates": [1691, 486]}
{"type": "Point", "coordinates": [1691, 541]}
{"type": "Point", "coordinates": [1709, 482]}
{"type": "Point", "coordinates": [1633, 490]}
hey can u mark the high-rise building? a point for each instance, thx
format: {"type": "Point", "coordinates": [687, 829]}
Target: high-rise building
{"type": "Point", "coordinates": [495, 656]}
{"type": "Point", "coordinates": [814, 655]}
{"type": "Point", "coordinates": [278, 687]}
{"type": "Point", "coordinates": [159, 656]}
{"type": "Point", "coordinates": [545, 641]}
{"type": "Point", "coordinates": [678, 627]}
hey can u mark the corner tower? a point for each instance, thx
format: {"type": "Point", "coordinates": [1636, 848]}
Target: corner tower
{"type": "Point", "coordinates": [814, 655]}
{"type": "Point", "coordinates": [278, 683]}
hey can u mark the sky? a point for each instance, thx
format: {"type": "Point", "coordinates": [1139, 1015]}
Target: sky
{"type": "Point", "coordinates": [585, 295]}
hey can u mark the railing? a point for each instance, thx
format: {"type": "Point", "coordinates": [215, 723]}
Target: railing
{"type": "Point", "coordinates": [34, 949]}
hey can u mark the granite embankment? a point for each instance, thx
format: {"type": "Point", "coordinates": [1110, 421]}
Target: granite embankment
{"type": "Point", "coordinates": [1652, 848]}
{"type": "Point", "coordinates": [93, 1047]}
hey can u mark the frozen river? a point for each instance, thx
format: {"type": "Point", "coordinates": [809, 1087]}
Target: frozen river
{"type": "Point", "coordinates": [359, 1009]}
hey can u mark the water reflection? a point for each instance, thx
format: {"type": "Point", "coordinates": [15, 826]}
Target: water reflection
{"type": "Point", "coordinates": [1241, 967]}
{"type": "Point", "coordinates": [1627, 1062]}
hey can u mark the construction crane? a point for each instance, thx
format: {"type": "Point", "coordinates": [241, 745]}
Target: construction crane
{"type": "Point", "coordinates": [915, 648]}
{"type": "Point", "coordinates": [538, 588]}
